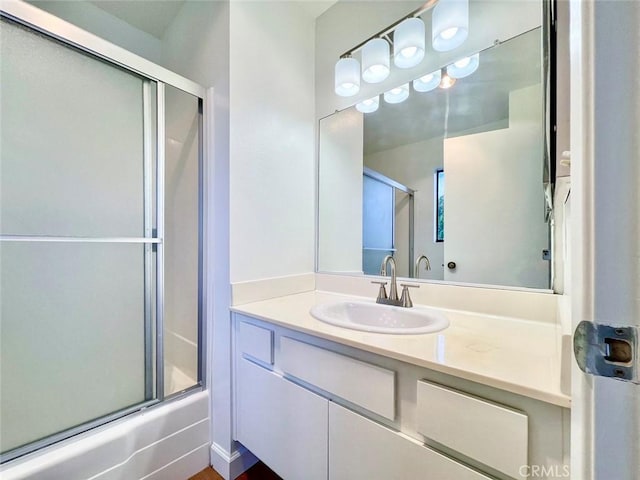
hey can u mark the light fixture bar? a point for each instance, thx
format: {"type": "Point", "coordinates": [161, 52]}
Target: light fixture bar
{"type": "Point", "coordinates": [382, 33]}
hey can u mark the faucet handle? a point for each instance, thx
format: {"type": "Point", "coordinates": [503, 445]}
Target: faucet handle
{"type": "Point", "coordinates": [405, 299]}
{"type": "Point", "coordinates": [382, 293]}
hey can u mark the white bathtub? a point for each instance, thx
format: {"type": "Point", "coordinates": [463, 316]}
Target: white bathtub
{"type": "Point", "coordinates": [170, 441]}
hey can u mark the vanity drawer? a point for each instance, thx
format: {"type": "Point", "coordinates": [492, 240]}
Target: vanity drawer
{"type": "Point", "coordinates": [255, 342]}
{"type": "Point", "coordinates": [365, 385]}
{"type": "Point", "coordinates": [361, 449]}
{"type": "Point", "coordinates": [490, 433]}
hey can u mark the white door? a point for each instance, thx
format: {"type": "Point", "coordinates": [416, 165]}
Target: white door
{"type": "Point", "coordinates": [605, 126]}
{"type": "Point", "coordinates": [495, 230]}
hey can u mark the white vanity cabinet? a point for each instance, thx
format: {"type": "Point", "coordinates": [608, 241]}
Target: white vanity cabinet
{"type": "Point", "coordinates": [313, 409]}
{"type": "Point", "coordinates": [280, 422]}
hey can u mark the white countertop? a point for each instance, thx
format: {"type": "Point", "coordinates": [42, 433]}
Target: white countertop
{"type": "Point", "coordinates": [519, 356]}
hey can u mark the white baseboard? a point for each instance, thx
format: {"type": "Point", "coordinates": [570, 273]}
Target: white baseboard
{"type": "Point", "coordinates": [231, 466]}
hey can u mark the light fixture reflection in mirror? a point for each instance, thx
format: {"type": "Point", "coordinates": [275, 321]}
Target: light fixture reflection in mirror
{"type": "Point", "coordinates": [427, 82]}
{"type": "Point", "coordinates": [369, 105]}
{"type": "Point", "coordinates": [397, 94]}
{"type": "Point", "coordinates": [464, 67]}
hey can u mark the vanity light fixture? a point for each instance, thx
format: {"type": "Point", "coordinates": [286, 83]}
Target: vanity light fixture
{"type": "Point", "coordinates": [408, 43]}
{"type": "Point", "coordinates": [446, 81]}
{"type": "Point", "coordinates": [375, 60]}
{"type": "Point", "coordinates": [428, 82]}
{"type": "Point", "coordinates": [369, 105]}
{"type": "Point", "coordinates": [347, 77]}
{"type": "Point", "coordinates": [397, 94]}
{"type": "Point", "coordinates": [450, 28]}
{"type": "Point", "coordinates": [464, 67]}
{"type": "Point", "coordinates": [407, 35]}
{"type": "Point", "coordinates": [450, 24]}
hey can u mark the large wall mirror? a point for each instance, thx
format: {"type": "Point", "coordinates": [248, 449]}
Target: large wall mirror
{"type": "Point", "coordinates": [459, 175]}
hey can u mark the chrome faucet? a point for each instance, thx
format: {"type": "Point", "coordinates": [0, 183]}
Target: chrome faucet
{"type": "Point", "coordinates": [427, 265]}
{"type": "Point", "coordinates": [392, 299]}
{"type": "Point", "coordinates": [393, 289]}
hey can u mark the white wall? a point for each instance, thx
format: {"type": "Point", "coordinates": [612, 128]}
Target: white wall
{"type": "Point", "coordinates": [196, 44]}
{"type": "Point", "coordinates": [414, 165]}
{"type": "Point", "coordinates": [272, 140]}
{"type": "Point", "coordinates": [340, 193]}
{"type": "Point", "coordinates": [95, 20]}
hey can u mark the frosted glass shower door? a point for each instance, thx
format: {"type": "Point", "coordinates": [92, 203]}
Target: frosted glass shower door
{"type": "Point", "coordinates": [77, 253]}
{"type": "Point", "coordinates": [72, 336]}
{"type": "Point", "coordinates": [378, 212]}
{"type": "Point", "coordinates": [181, 240]}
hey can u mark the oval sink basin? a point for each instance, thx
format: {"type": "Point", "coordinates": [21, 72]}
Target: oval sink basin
{"type": "Point", "coordinates": [373, 317]}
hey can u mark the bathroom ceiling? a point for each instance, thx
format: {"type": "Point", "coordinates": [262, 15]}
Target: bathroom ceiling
{"type": "Point", "coordinates": [154, 16]}
{"type": "Point", "coordinates": [151, 16]}
{"type": "Point", "coordinates": [314, 7]}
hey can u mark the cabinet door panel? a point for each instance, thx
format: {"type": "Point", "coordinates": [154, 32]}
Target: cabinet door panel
{"type": "Point", "coordinates": [485, 431]}
{"type": "Point", "coordinates": [362, 449]}
{"type": "Point", "coordinates": [366, 385]}
{"type": "Point", "coordinates": [281, 423]}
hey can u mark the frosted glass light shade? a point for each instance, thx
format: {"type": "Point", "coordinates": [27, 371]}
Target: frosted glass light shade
{"type": "Point", "coordinates": [347, 77]}
{"type": "Point", "coordinates": [464, 67]}
{"type": "Point", "coordinates": [450, 24]}
{"type": "Point", "coordinates": [375, 60]}
{"type": "Point", "coordinates": [397, 94]}
{"type": "Point", "coordinates": [408, 43]}
{"type": "Point", "coordinates": [427, 82]}
{"type": "Point", "coordinates": [369, 105]}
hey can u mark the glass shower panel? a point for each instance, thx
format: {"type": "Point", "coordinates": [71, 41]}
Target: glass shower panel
{"type": "Point", "coordinates": [71, 139]}
{"type": "Point", "coordinates": [72, 336]}
{"type": "Point", "coordinates": [378, 211]}
{"type": "Point", "coordinates": [181, 240]}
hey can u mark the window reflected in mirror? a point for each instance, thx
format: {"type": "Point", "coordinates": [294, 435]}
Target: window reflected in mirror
{"type": "Point", "coordinates": [439, 210]}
